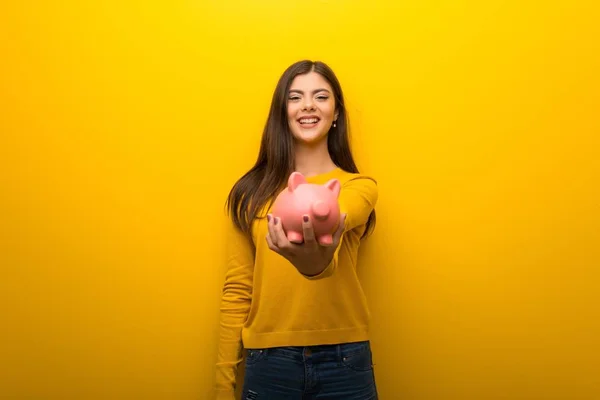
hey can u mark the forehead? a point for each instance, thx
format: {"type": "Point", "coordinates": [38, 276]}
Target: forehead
{"type": "Point", "coordinates": [309, 81]}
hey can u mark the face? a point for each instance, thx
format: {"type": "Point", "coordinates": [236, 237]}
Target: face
{"type": "Point", "coordinates": [311, 108]}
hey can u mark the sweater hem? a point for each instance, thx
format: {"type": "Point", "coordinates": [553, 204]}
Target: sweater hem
{"type": "Point", "coordinates": [253, 340]}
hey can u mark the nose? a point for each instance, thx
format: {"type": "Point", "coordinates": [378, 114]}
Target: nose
{"type": "Point", "coordinates": [308, 104]}
{"type": "Point", "coordinates": [320, 210]}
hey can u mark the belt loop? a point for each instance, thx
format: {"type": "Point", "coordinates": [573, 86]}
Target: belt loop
{"type": "Point", "coordinates": [339, 352]}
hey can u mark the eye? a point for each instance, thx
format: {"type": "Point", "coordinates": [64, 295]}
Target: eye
{"type": "Point", "coordinates": [293, 98]}
{"type": "Point", "coordinates": [322, 97]}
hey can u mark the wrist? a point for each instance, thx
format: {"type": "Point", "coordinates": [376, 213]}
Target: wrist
{"type": "Point", "coordinates": [312, 268]}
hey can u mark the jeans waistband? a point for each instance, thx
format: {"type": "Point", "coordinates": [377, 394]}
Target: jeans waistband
{"type": "Point", "coordinates": [333, 352]}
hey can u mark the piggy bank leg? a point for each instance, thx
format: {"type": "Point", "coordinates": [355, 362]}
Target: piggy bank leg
{"type": "Point", "coordinates": [295, 237]}
{"type": "Point", "coordinates": [326, 240]}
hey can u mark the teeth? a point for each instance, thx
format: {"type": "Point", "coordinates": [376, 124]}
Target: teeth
{"type": "Point", "coordinates": [308, 120]}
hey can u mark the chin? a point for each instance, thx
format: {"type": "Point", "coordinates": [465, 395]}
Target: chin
{"type": "Point", "coordinates": [309, 134]}
{"type": "Point", "coordinates": [305, 138]}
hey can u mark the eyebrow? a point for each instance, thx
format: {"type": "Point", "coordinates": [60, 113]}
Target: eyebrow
{"type": "Point", "coordinates": [314, 91]}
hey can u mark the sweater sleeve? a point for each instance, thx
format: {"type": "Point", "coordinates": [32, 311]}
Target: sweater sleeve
{"type": "Point", "coordinates": [358, 197]}
{"type": "Point", "coordinates": [235, 306]}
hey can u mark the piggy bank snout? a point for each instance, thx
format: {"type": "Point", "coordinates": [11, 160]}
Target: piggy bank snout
{"type": "Point", "coordinates": [320, 209]}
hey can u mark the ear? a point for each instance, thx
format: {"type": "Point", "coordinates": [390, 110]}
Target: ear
{"type": "Point", "coordinates": [334, 186]}
{"type": "Point", "coordinates": [336, 115]}
{"type": "Point", "coordinates": [295, 179]}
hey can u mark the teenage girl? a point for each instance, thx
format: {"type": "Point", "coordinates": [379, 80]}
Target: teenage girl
{"type": "Point", "coordinates": [298, 308]}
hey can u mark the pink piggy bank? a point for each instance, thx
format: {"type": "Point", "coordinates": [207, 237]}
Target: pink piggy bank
{"type": "Point", "coordinates": [319, 202]}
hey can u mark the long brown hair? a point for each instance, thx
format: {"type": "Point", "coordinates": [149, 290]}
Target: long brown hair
{"type": "Point", "coordinates": [275, 160]}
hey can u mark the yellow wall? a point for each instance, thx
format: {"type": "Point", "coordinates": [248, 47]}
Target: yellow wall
{"type": "Point", "coordinates": [480, 119]}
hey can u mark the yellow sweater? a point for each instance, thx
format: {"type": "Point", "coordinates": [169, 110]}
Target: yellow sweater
{"type": "Point", "coordinates": [266, 302]}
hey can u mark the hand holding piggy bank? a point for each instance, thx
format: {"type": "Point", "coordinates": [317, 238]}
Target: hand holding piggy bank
{"type": "Point", "coordinates": [319, 202]}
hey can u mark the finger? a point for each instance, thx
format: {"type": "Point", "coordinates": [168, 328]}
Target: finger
{"type": "Point", "coordinates": [308, 231]}
{"type": "Point", "coordinates": [280, 238]}
{"type": "Point", "coordinates": [272, 246]}
{"type": "Point", "coordinates": [271, 228]}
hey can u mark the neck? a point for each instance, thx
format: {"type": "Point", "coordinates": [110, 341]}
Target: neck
{"type": "Point", "coordinates": [314, 159]}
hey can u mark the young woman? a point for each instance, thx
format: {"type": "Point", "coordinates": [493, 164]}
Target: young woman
{"type": "Point", "coordinates": [298, 308]}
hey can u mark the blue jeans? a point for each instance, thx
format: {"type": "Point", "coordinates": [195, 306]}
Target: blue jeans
{"type": "Point", "coordinates": [343, 371]}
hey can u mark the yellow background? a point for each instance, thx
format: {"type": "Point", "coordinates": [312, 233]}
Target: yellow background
{"type": "Point", "coordinates": [124, 124]}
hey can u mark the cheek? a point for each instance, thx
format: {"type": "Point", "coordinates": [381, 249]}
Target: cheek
{"type": "Point", "coordinates": [328, 110]}
{"type": "Point", "coordinates": [292, 110]}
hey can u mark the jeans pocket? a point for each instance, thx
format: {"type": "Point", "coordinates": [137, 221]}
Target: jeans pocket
{"type": "Point", "coordinates": [254, 355]}
{"type": "Point", "coordinates": [357, 357]}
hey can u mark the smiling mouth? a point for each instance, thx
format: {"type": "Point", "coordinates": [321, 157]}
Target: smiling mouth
{"type": "Point", "coordinates": [308, 122]}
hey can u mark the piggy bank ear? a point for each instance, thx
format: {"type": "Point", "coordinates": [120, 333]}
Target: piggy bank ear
{"type": "Point", "coordinates": [334, 186]}
{"type": "Point", "coordinates": [295, 179]}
